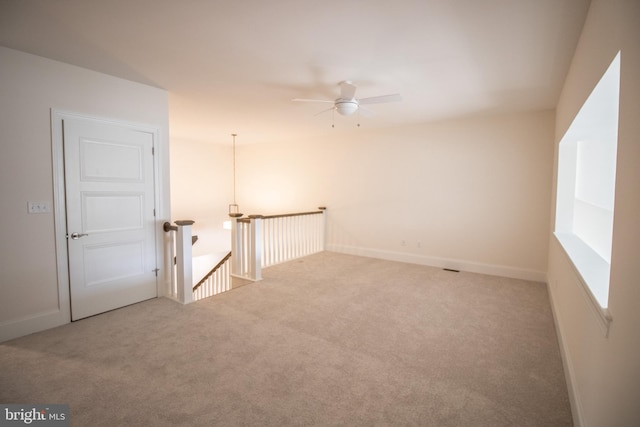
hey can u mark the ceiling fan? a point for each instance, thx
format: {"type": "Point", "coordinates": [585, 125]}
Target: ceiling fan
{"type": "Point", "coordinates": [347, 103]}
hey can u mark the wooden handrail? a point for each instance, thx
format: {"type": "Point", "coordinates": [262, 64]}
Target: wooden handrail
{"type": "Point", "coordinates": [167, 227]}
{"type": "Point", "coordinates": [247, 219]}
{"type": "Point", "coordinates": [213, 270]}
{"type": "Point", "coordinates": [291, 214]}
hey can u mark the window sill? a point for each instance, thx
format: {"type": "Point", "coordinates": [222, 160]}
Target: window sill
{"type": "Point", "coordinates": [593, 275]}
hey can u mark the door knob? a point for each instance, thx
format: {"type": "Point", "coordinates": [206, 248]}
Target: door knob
{"type": "Point", "coordinates": [76, 236]}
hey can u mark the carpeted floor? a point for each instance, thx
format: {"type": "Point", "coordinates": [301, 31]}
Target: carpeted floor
{"type": "Point", "coordinates": [326, 340]}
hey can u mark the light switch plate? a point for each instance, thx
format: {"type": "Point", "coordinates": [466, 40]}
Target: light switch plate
{"type": "Point", "coordinates": [38, 207]}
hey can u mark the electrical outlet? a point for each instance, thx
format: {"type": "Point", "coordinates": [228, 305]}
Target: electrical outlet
{"type": "Point", "coordinates": [403, 243]}
{"type": "Point", "coordinates": [38, 207]}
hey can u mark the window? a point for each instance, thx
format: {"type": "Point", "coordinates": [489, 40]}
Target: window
{"type": "Point", "coordinates": [586, 185]}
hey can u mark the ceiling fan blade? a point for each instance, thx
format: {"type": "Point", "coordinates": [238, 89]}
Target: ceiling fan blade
{"type": "Point", "coordinates": [312, 100]}
{"type": "Point", "coordinates": [380, 99]}
{"type": "Point", "coordinates": [347, 90]}
{"type": "Point", "coordinates": [324, 111]}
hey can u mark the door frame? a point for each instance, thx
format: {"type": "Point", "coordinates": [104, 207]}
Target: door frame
{"type": "Point", "coordinates": [60, 209]}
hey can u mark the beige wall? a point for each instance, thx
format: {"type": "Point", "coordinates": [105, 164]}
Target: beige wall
{"type": "Point", "coordinates": [471, 193]}
{"type": "Point", "coordinates": [201, 190]}
{"type": "Point", "coordinates": [604, 372]}
{"type": "Point", "coordinates": [30, 87]}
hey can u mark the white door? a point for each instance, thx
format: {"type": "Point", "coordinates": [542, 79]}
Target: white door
{"type": "Point", "coordinates": [109, 189]}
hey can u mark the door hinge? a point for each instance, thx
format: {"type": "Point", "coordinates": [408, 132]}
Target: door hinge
{"type": "Point", "coordinates": [156, 271]}
{"type": "Point", "coordinates": [154, 212]}
{"type": "Point", "coordinates": [153, 151]}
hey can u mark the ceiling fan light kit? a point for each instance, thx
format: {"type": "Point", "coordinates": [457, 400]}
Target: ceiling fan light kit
{"type": "Point", "coordinates": [346, 107]}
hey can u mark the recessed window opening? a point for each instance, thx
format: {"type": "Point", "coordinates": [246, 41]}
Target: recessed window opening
{"type": "Point", "coordinates": [586, 185]}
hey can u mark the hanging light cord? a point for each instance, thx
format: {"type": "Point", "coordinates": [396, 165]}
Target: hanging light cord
{"type": "Point", "coordinates": [234, 167]}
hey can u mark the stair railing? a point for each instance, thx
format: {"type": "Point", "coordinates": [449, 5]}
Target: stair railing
{"type": "Point", "coordinates": [216, 281]}
{"type": "Point", "coordinates": [259, 241]}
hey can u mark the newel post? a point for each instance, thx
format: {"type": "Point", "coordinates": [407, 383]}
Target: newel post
{"type": "Point", "coordinates": [255, 252]}
{"type": "Point", "coordinates": [236, 245]}
{"type": "Point", "coordinates": [184, 263]}
{"type": "Point", "coordinates": [323, 235]}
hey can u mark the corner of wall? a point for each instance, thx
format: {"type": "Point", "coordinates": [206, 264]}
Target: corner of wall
{"type": "Point", "coordinates": [569, 374]}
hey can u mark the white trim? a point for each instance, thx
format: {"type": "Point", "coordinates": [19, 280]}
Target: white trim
{"type": "Point", "coordinates": [569, 373]}
{"type": "Point", "coordinates": [457, 264]}
{"type": "Point", "coordinates": [594, 262]}
{"type": "Point", "coordinates": [16, 328]}
{"type": "Point", "coordinates": [60, 214]}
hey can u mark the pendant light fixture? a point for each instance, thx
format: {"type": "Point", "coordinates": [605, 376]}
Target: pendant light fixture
{"type": "Point", "coordinates": [234, 211]}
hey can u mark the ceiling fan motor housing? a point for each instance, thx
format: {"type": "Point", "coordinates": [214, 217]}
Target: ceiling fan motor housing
{"type": "Point", "coordinates": [346, 107]}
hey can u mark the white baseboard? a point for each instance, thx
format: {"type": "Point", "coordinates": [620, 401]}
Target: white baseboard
{"type": "Point", "coordinates": [569, 374]}
{"type": "Point", "coordinates": [456, 264]}
{"type": "Point", "coordinates": [29, 325]}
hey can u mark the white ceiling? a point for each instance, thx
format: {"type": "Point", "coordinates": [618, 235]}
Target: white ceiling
{"type": "Point", "coordinates": [234, 65]}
